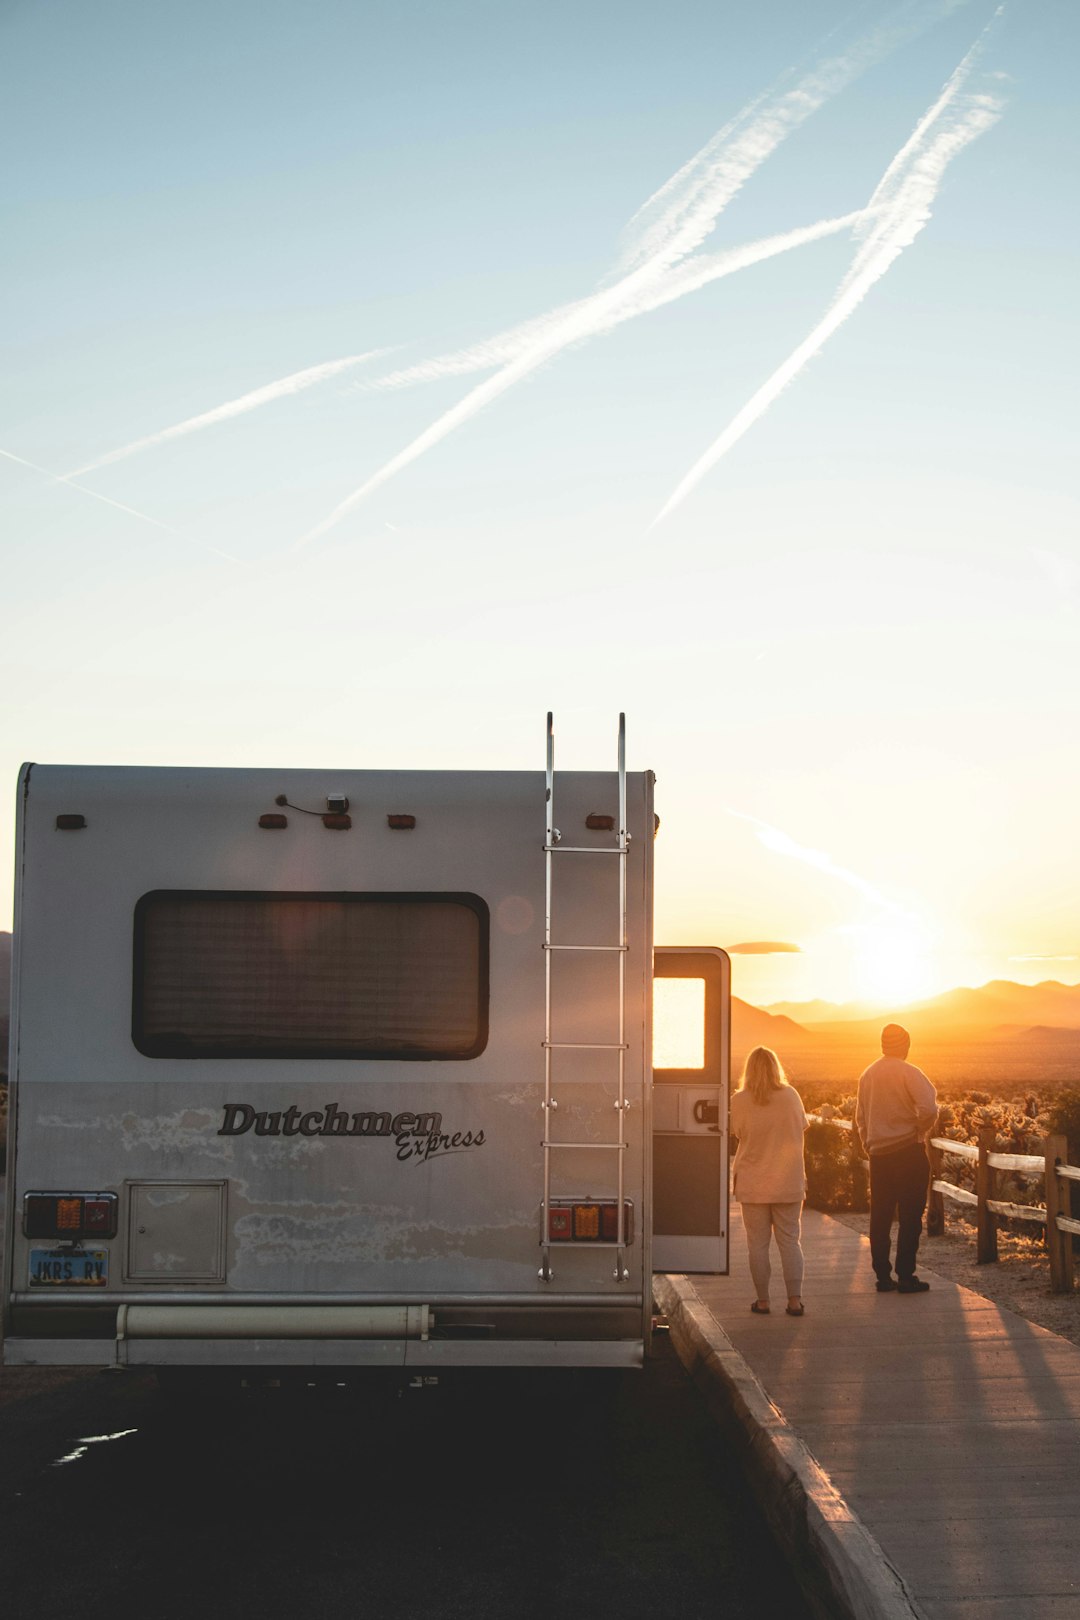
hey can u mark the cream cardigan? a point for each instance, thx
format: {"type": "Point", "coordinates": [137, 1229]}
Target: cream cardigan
{"type": "Point", "coordinates": [768, 1166]}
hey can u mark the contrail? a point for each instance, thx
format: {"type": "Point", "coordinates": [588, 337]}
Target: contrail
{"type": "Point", "coordinates": [904, 217]}
{"type": "Point", "coordinates": [666, 203]}
{"type": "Point", "coordinates": [586, 319]}
{"type": "Point", "coordinates": [688, 277]}
{"type": "Point", "coordinates": [295, 383]}
{"type": "Point", "coordinates": [57, 478]}
{"type": "Point", "coordinates": [878, 209]}
{"type": "Point", "coordinates": [781, 843]}
{"type": "Point", "coordinates": [717, 174]}
{"type": "Point", "coordinates": [691, 200]}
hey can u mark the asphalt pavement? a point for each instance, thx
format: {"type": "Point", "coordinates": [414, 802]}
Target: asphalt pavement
{"type": "Point", "coordinates": [525, 1493]}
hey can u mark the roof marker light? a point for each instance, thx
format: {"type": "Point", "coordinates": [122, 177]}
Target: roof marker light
{"type": "Point", "coordinates": [599, 823]}
{"type": "Point", "coordinates": [401, 823]}
{"type": "Point", "coordinates": [273, 821]}
{"type": "Point", "coordinates": [70, 823]}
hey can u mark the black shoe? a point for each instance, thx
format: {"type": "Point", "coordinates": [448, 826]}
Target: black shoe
{"type": "Point", "coordinates": [912, 1285]}
{"type": "Point", "coordinates": [886, 1285]}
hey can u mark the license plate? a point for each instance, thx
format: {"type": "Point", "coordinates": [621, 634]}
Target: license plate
{"type": "Point", "coordinates": [67, 1268]}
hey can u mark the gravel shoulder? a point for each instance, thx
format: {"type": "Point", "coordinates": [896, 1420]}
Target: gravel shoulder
{"type": "Point", "coordinates": [1019, 1280]}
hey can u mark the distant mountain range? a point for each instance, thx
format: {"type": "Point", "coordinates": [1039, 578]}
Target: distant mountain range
{"type": "Point", "coordinates": [1000, 1008]}
{"type": "Point", "coordinates": [753, 1026]}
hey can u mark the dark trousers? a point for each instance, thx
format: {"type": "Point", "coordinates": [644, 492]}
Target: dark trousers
{"type": "Point", "coordinates": [898, 1181]}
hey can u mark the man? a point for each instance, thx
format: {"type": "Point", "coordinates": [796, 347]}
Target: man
{"type": "Point", "coordinates": [894, 1115]}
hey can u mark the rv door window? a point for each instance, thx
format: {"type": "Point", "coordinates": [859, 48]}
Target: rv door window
{"type": "Point", "coordinates": [310, 975]}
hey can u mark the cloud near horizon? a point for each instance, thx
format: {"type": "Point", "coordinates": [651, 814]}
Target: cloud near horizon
{"type": "Point", "coordinates": [762, 947]}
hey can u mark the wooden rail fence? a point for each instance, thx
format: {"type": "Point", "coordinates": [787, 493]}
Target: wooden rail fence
{"type": "Point", "coordinates": [1051, 1166]}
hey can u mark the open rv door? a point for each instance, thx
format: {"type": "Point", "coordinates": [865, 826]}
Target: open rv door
{"type": "Point", "coordinates": [691, 1084]}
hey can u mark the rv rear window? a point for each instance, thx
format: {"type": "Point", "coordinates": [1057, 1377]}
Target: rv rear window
{"type": "Point", "coordinates": [310, 975]}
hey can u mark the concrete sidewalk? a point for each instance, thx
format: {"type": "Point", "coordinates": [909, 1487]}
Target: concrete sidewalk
{"type": "Point", "coordinates": [916, 1455]}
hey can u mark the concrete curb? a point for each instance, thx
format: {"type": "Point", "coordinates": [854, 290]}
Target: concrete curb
{"type": "Point", "coordinates": [842, 1570]}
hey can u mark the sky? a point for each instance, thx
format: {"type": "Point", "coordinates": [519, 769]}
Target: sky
{"type": "Point", "coordinates": [377, 378]}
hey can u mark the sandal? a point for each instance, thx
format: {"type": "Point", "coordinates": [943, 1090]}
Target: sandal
{"type": "Point", "coordinates": [795, 1310]}
{"type": "Point", "coordinates": [759, 1310]}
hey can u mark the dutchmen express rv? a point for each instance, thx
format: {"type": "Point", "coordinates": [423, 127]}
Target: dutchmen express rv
{"type": "Point", "coordinates": [327, 1070]}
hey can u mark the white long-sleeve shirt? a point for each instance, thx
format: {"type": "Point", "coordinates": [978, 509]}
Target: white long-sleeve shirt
{"type": "Point", "coordinates": [896, 1106]}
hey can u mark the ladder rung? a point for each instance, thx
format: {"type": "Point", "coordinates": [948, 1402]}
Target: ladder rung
{"type": "Point", "coordinates": [583, 1243]}
{"type": "Point", "coordinates": [547, 947]}
{"type": "Point", "coordinates": [586, 1046]}
{"type": "Point", "coordinates": [585, 849]}
{"type": "Point", "coordinates": [612, 1147]}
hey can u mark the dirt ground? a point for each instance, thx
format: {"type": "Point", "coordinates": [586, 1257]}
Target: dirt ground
{"type": "Point", "coordinates": [1019, 1280]}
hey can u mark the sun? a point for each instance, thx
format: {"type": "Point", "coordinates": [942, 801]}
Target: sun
{"type": "Point", "coordinates": [890, 963]}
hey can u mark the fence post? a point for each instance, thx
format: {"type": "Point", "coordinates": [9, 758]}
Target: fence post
{"type": "Point", "coordinates": [986, 1227]}
{"type": "Point", "coordinates": [1059, 1244]}
{"type": "Point", "coordinates": [935, 1208]}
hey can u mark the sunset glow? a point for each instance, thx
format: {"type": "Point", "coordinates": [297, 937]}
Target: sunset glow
{"type": "Point", "coordinates": [686, 363]}
{"type": "Point", "coordinates": [890, 964]}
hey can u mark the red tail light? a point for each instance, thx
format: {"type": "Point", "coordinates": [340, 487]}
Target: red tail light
{"type": "Point", "coordinates": [98, 1216]}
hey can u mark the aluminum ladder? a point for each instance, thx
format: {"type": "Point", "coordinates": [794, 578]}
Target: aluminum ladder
{"type": "Point", "coordinates": [553, 845]}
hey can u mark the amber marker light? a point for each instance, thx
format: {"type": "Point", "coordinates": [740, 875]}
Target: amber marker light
{"type": "Point", "coordinates": [586, 1222]}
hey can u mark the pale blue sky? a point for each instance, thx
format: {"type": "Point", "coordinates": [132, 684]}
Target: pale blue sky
{"type": "Point", "coordinates": [859, 627]}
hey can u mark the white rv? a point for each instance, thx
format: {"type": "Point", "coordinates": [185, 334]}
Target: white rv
{"type": "Point", "coordinates": [339, 1069]}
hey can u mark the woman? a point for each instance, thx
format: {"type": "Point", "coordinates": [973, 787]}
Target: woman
{"type": "Point", "coordinates": [768, 1117]}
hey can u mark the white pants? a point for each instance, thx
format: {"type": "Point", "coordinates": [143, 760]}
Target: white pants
{"type": "Point", "coordinates": [762, 1221]}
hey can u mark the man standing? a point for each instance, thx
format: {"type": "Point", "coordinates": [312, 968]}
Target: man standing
{"type": "Point", "coordinates": [894, 1115]}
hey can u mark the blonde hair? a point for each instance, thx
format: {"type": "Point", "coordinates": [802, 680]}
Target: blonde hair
{"type": "Point", "coordinates": [763, 1073]}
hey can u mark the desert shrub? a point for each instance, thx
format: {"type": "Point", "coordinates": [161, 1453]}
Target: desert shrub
{"type": "Point", "coordinates": [835, 1175]}
{"type": "Point", "coordinates": [1063, 1118]}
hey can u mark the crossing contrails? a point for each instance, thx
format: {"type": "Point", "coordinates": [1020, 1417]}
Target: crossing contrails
{"type": "Point", "coordinates": [899, 209]}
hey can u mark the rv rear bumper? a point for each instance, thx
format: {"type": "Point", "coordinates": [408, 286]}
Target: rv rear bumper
{"type": "Point", "coordinates": [241, 1333]}
{"type": "Point", "coordinates": [324, 1353]}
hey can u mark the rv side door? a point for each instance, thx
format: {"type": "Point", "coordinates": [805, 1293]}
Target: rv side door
{"type": "Point", "coordinates": [691, 1082]}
